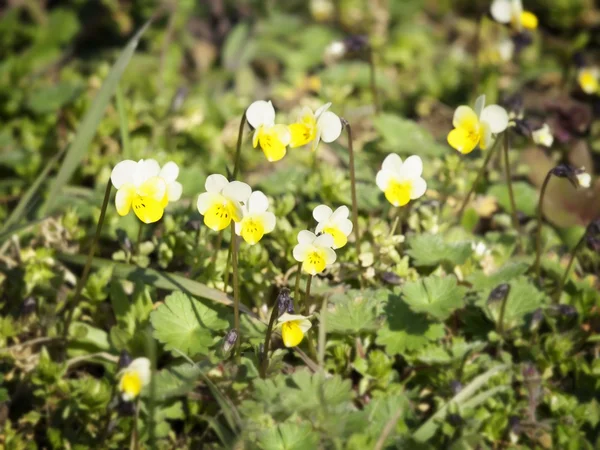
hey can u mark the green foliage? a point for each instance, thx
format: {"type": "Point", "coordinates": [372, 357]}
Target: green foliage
{"type": "Point", "coordinates": [431, 249]}
{"type": "Point", "coordinates": [354, 311]}
{"type": "Point", "coordinates": [406, 137]}
{"type": "Point", "coordinates": [438, 297]}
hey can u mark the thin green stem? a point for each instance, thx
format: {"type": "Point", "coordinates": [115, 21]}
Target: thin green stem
{"type": "Point", "coordinates": [511, 194]}
{"type": "Point", "coordinates": [353, 188]}
{"type": "Point", "coordinates": [135, 441]}
{"type": "Point", "coordinates": [139, 238]}
{"type": "Point", "coordinates": [538, 233]}
{"type": "Point", "coordinates": [125, 147]}
{"type": "Point", "coordinates": [372, 80]}
{"type": "Point", "coordinates": [238, 151]}
{"type": "Point", "coordinates": [228, 262]}
{"type": "Point", "coordinates": [565, 276]}
{"type": "Point", "coordinates": [306, 304]}
{"type": "Point", "coordinates": [311, 346]}
{"type": "Point", "coordinates": [70, 306]}
{"type": "Point", "coordinates": [213, 260]}
{"type": "Point", "coordinates": [480, 174]}
{"type": "Point", "coordinates": [236, 294]}
{"type": "Point", "coordinates": [264, 365]}
{"type": "Point", "coordinates": [502, 311]}
{"type": "Point", "coordinates": [297, 288]}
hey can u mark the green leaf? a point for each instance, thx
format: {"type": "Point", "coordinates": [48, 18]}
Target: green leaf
{"type": "Point", "coordinates": [431, 250]}
{"type": "Point", "coordinates": [436, 296]}
{"type": "Point", "coordinates": [504, 274]}
{"type": "Point", "coordinates": [185, 323]}
{"type": "Point", "coordinates": [123, 124]}
{"type": "Point", "coordinates": [354, 311]}
{"type": "Point", "coordinates": [176, 381]}
{"type": "Point", "coordinates": [405, 136]}
{"type": "Point", "coordinates": [526, 197]}
{"type": "Point", "coordinates": [289, 436]}
{"type": "Point", "coordinates": [405, 330]}
{"type": "Point", "coordinates": [52, 98]}
{"type": "Point", "coordinates": [87, 128]}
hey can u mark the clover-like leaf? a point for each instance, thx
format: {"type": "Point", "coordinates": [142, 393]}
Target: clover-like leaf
{"type": "Point", "coordinates": [354, 311]}
{"type": "Point", "coordinates": [431, 250]}
{"type": "Point", "coordinates": [186, 324]}
{"type": "Point", "coordinates": [436, 296]}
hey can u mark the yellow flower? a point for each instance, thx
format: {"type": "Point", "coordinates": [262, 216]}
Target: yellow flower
{"type": "Point", "coordinates": [511, 12]}
{"type": "Point", "coordinates": [293, 328]}
{"type": "Point", "coordinates": [256, 220]}
{"type": "Point", "coordinates": [473, 127]}
{"type": "Point", "coordinates": [314, 252]}
{"type": "Point", "coordinates": [145, 187]}
{"type": "Point", "coordinates": [335, 223]}
{"type": "Point", "coordinates": [273, 139]}
{"type": "Point", "coordinates": [588, 79]}
{"type": "Point", "coordinates": [134, 378]}
{"type": "Point", "coordinates": [312, 127]}
{"type": "Point", "coordinates": [221, 203]}
{"type": "Point", "coordinates": [401, 182]}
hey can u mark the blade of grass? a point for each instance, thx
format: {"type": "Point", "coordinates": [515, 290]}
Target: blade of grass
{"type": "Point", "coordinates": [89, 125]}
{"type": "Point", "coordinates": [124, 127]}
{"type": "Point", "coordinates": [159, 279]}
{"type": "Point", "coordinates": [464, 399]}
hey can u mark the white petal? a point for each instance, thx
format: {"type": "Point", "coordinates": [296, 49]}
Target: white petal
{"type": "Point", "coordinates": [319, 227]}
{"type": "Point", "coordinates": [238, 228]}
{"type": "Point", "coordinates": [206, 200]}
{"type": "Point", "coordinates": [142, 367]}
{"type": "Point", "coordinates": [283, 134]}
{"type": "Point", "coordinates": [305, 325]}
{"type": "Point", "coordinates": [123, 173]}
{"type": "Point", "coordinates": [260, 113]}
{"type": "Point", "coordinates": [383, 178]}
{"type": "Point", "coordinates": [322, 109]}
{"type": "Point", "coordinates": [300, 251]}
{"type": "Point", "coordinates": [496, 117]}
{"type": "Point", "coordinates": [306, 237]}
{"type": "Point", "coordinates": [464, 114]}
{"type": "Point", "coordinates": [215, 183]}
{"type": "Point", "coordinates": [501, 11]}
{"type": "Point", "coordinates": [412, 167]}
{"type": "Point", "coordinates": [286, 317]}
{"type": "Point", "coordinates": [257, 202]}
{"type": "Point", "coordinates": [419, 186]}
{"type": "Point", "coordinates": [174, 191]}
{"type": "Point", "coordinates": [322, 213]}
{"type": "Point", "coordinates": [330, 126]}
{"type": "Point", "coordinates": [345, 226]}
{"type": "Point", "coordinates": [169, 172]}
{"type": "Point", "coordinates": [324, 240]}
{"type": "Point", "coordinates": [392, 163]}
{"type": "Point", "coordinates": [238, 191]}
{"type": "Point", "coordinates": [269, 221]}
{"type": "Point", "coordinates": [340, 215]}
{"type": "Point", "coordinates": [330, 255]}
{"type": "Point", "coordinates": [479, 104]}
{"type": "Point", "coordinates": [146, 168]}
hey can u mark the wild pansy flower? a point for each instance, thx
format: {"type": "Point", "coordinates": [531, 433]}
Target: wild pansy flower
{"type": "Point", "coordinates": [133, 378]}
{"type": "Point", "coordinates": [335, 223]}
{"type": "Point", "coordinates": [511, 12]}
{"type": "Point", "coordinates": [293, 328]}
{"type": "Point", "coordinates": [311, 127]}
{"type": "Point", "coordinates": [473, 127]}
{"type": "Point", "coordinates": [314, 252]}
{"type": "Point", "coordinates": [543, 136]}
{"type": "Point", "coordinates": [145, 187]}
{"type": "Point", "coordinates": [256, 220]}
{"type": "Point", "coordinates": [222, 201]}
{"type": "Point", "coordinates": [272, 139]}
{"type": "Point", "coordinates": [401, 181]}
{"type": "Point", "coordinates": [587, 78]}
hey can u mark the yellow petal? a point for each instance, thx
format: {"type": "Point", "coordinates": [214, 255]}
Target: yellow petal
{"type": "Point", "coordinates": [154, 188]}
{"type": "Point", "coordinates": [462, 140]}
{"type": "Point", "coordinates": [130, 385]}
{"type": "Point", "coordinates": [303, 133]}
{"type": "Point", "coordinates": [147, 209]}
{"type": "Point", "coordinates": [588, 81]}
{"type": "Point", "coordinates": [271, 145]}
{"type": "Point", "coordinates": [339, 238]}
{"type": "Point", "coordinates": [124, 197]}
{"type": "Point", "coordinates": [291, 333]}
{"type": "Point", "coordinates": [529, 20]}
{"type": "Point", "coordinates": [314, 262]}
{"type": "Point", "coordinates": [465, 117]}
{"type": "Point", "coordinates": [398, 192]}
{"type": "Point", "coordinates": [218, 217]}
{"type": "Point", "coordinates": [253, 230]}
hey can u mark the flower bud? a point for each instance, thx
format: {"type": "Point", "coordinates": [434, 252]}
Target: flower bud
{"type": "Point", "coordinates": [28, 306]}
{"type": "Point", "coordinates": [229, 340]}
{"type": "Point", "coordinates": [499, 293]}
{"type": "Point", "coordinates": [124, 359]}
{"type": "Point", "coordinates": [285, 303]}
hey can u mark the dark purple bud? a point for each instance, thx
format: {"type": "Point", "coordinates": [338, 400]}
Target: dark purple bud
{"type": "Point", "coordinates": [514, 423]}
{"type": "Point", "coordinates": [125, 408]}
{"type": "Point", "coordinates": [391, 278]}
{"type": "Point", "coordinates": [454, 419]}
{"type": "Point", "coordinates": [456, 386]}
{"type": "Point", "coordinates": [567, 311]}
{"type": "Point", "coordinates": [499, 293]}
{"type": "Point", "coordinates": [579, 60]}
{"type": "Point", "coordinates": [524, 127]}
{"type": "Point", "coordinates": [124, 359]}
{"type": "Point", "coordinates": [593, 243]}
{"type": "Point", "coordinates": [284, 302]}
{"type": "Point", "coordinates": [356, 44]}
{"type": "Point", "coordinates": [230, 340]}
{"type": "Point", "coordinates": [522, 40]}
{"type": "Point", "coordinates": [179, 98]}
{"type": "Point", "coordinates": [28, 306]}
{"type": "Point", "coordinates": [568, 172]}
{"type": "Point", "coordinates": [193, 224]}
{"type": "Point", "coordinates": [514, 103]}
{"type": "Point", "coordinates": [536, 318]}
{"type": "Point", "coordinates": [124, 240]}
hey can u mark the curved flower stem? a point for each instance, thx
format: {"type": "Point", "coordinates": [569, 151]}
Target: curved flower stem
{"type": "Point", "coordinates": [353, 187]}
{"type": "Point", "coordinates": [311, 346]}
{"type": "Point", "coordinates": [538, 233]}
{"type": "Point", "coordinates": [372, 80]}
{"type": "Point", "coordinates": [213, 260]}
{"type": "Point", "coordinates": [226, 274]}
{"type": "Point", "coordinates": [306, 305]}
{"type": "Point", "coordinates": [264, 364]}
{"type": "Point", "coordinates": [238, 151]}
{"type": "Point", "coordinates": [70, 306]}
{"type": "Point", "coordinates": [565, 276]}
{"type": "Point", "coordinates": [511, 194]}
{"type": "Point", "coordinates": [297, 288]}
{"type": "Point", "coordinates": [480, 174]}
{"type": "Point", "coordinates": [236, 294]}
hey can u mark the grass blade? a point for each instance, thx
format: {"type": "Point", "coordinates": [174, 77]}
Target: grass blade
{"type": "Point", "coordinates": [89, 125]}
{"type": "Point", "coordinates": [123, 126]}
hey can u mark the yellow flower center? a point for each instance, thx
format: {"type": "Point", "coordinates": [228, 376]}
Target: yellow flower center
{"type": "Point", "coordinates": [270, 143]}
{"type": "Point", "coordinates": [131, 384]}
{"type": "Point", "coordinates": [529, 20]}
{"type": "Point", "coordinates": [314, 262]}
{"type": "Point", "coordinates": [304, 131]}
{"type": "Point", "coordinates": [588, 81]}
{"type": "Point", "coordinates": [220, 215]}
{"type": "Point", "coordinates": [291, 333]}
{"type": "Point", "coordinates": [147, 200]}
{"type": "Point", "coordinates": [147, 209]}
{"type": "Point", "coordinates": [467, 135]}
{"type": "Point", "coordinates": [252, 230]}
{"type": "Point", "coordinates": [398, 192]}
{"type": "Point", "coordinates": [339, 238]}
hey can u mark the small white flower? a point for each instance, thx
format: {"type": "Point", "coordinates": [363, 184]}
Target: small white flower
{"type": "Point", "coordinates": [335, 223]}
{"type": "Point", "coordinates": [314, 252]}
{"type": "Point", "coordinates": [400, 181]}
{"type": "Point", "coordinates": [584, 179]}
{"type": "Point", "coordinates": [314, 127]}
{"type": "Point", "coordinates": [133, 378]}
{"type": "Point", "coordinates": [273, 139]}
{"type": "Point", "coordinates": [335, 51]}
{"type": "Point", "coordinates": [221, 203]}
{"type": "Point", "coordinates": [543, 136]}
{"type": "Point", "coordinates": [256, 220]}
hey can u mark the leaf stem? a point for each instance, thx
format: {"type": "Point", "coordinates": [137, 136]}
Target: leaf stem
{"type": "Point", "coordinates": [238, 151]}
{"type": "Point", "coordinates": [227, 264]}
{"type": "Point", "coordinates": [353, 187]}
{"type": "Point", "coordinates": [236, 293]}
{"type": "Point", "coordinates": [538, 233]}
{"type": "Point", "coordinates": [264, 365]}
{"type": "Point", "coordinates": [213, 260]}
{"type": "Point", "coordinates": [511, 194]}
{"type": "Point", "coordinates": [139, 238]}
{"type": "Point", "coordinates": [565, 276]}
{"type": "Point", "coordinates": [297, 288]}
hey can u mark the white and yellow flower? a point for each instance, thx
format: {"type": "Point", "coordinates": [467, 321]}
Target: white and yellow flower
{"type": "Point", "coordinates": [335, 223]}
{"type": "Point", "coordinates": [256, 220]}
{"type": "Point", "coordinates": [511, 12]}
{"type": "Point", "coordinates": [314, 252]}
{"type": "Point", "coordinates": [293, 328]}
{"type": "Point", "coordinates": [473, 127]}
{"type": "Point", "coordinates": [133, 378]}
{"type": "Point", "coordinates": [314, 127]}
{"type": "Point", "coordinates": [144, 187]}
{"type": "Point", "coordinates": [400, 181]}
{"type": "Point", "coordinates": [222, 201]}
{"type": "Point", "coordinates": [587, 78]}
{"type": "Point", "coordinates": [543, 136]}
{"type": "Point", "coordinates": [272, 139]}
